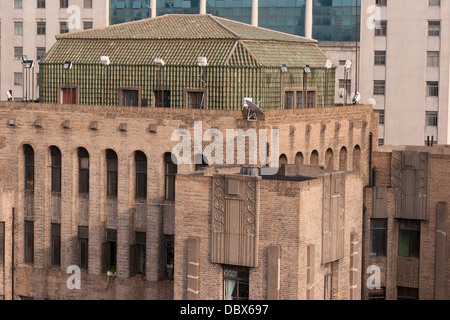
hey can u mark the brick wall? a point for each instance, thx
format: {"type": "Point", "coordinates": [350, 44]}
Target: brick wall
{"type": "Point", "coordinates": [292, 226]}
{"type": "Point", "coordinates": [438, 191]}
{"type": "Point", "coordinates": [355, 124]}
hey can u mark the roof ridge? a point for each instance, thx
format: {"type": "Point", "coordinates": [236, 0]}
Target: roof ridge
{"type": "Point", "coordinates": [265, 29]}
{"type": "Point", "coordinates": [109, 26]}
{"type": "Point", "coordinates": [250, 52]}
{"type": "Point", "coordinates": [224, 27]}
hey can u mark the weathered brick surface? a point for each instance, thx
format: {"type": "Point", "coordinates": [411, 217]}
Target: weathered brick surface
{"type": "Point", "coordinates": [356, 122]}
{"type": "Point", "coordinates": [290, 217]}
{"type": "Point", "coordinates": [438, 191]}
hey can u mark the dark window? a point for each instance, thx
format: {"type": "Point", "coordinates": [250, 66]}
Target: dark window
{"type": "Point", "coordinates": [169, 256]}
{"type": "Point", "coordinates": [311, 101]}
{"type": "Point", "coordinates": [83, 247]}
{"type": "Point", "coordinates": [195, 100]}
{"type": "Point", "coordinates": [381, 31]}
{"type": "Point", "coordinates": [235, 283]}
{"type": "Point", "coordinates": [111, 173]}
{"type": "Point", "coordinates": [380, 116]}
{"type": "Point", "coordinates": [41, 4]}
{"type": "Point", "coordinates": [288, 99]}
{"type": "Point", "coordinates": [162, 99]}
{"type": "Point", "coordinates": [431, 119]}
{"type": "Point", "coordinates": [56, 244]}
{"type": "Point", "coordinates": [434, 28]}
{"type": "Point", "coordinates": [63, 3]}
{"type": "Point", "coordinates": [87, 25]}
{"type": "Point", "coordinates": [41, 28]}
{"type": "Point", "coordinates": [88, 4]}
{"type": "Point", "coordinates": [18, 27]}
{"type": "Point", "coordinates": [435, 3]}
{"type": "Point", "coordinates": [83, 171]}
{"type": "Point", "coordinates": [409, 238]}
{"type": "Point", "coordinates": [380, 58]}
{"type": "Point", "coordinates": [377, 294]}
{"type": "Point", "coordinates": [40, 54]}
{"type": "Point", "coordinates": [2, 242]}
{"type": "Point", "coordinates": [63, 28]}
{"type": "Point", "coordinates": [346, 84]}
{"type": "Point", "coordinates": [378, 237]}
{"type": "Point", "coordinates": [130, 97]}
{"type": "Point", "coordinates": [433, 59]}
{"type": "Point", "coordinates": [18, 53]}
{"type": "Point", "coordinates": [69, 95]}
{"type": "Point", "coordinates": [299, 100]}
{"type": "Point", "coordinates": [140, 252]}
{"type": "Point", "coordinates": [432, 89]}
{"type": "Point", "coordinates": [29, 167]}
{"type": "Point", "coordinates": [56, 169]}
{"type": "Point", "coordinates": [379, 87]}
{"type": "Point", "coordinates": [381, 3]}
{"type": "Point", "coordinates": [141, 174]}
{"type": "Point", "coordinates": [170, 171]}
{"type": "Point", "coordinates": [111, 250]}
{"type": "Point", "coordinates": [29, 241]}
{"type": "Point", "coordinates": [404, 293]}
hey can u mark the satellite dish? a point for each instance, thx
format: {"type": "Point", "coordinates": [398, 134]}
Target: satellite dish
{"type": "Point", "coordinates": [329, 64]}
{"type": "Point", "coordinates": [356, 97]}
{"type": "Point", "coordinates": [253, 111]}
{"type": "Point", "coordinates": [8, 94]}
{"type": "Point", "coordinates": [341, 93]}
{"type": "Point", "coordinates": [372, 102]}
{"type": "Point", "coordinates": [348, 64]}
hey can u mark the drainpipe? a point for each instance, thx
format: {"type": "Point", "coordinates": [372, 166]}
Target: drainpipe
{"type": "Point", "coordinates": [308, 18]}
{"type": "Point", "coordinates": [202, 6]}
{"type": "Point", "coordinates": [12, 254]}
{"type": "Point", "coordinates": [255, 7]}
{"type": "Point", "coordinates": [153, 9]}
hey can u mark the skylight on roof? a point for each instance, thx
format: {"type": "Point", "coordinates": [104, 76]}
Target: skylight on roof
{"type": "Point", "coordinates": [120, 5]}
{"type": "Point", "coordinates": [137, 4]}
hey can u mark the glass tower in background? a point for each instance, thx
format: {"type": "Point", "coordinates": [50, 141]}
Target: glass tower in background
{"type": "Point", "coordinates": [333, 20]}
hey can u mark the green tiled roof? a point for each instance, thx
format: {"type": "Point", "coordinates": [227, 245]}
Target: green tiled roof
{"type": "Point", "coordinates": [183, 27]}
{"type": "Point", "coordinates": [181, 39]}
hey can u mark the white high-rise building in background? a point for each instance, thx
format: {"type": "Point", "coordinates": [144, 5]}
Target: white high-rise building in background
{"type": "Point", "coordinates": [28, 28]}
{"type": "Point", "coordinates": [405, 68]}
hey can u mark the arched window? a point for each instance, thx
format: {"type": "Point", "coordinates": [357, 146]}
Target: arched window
{"type": "Point", "coordinates": [83, 170]}
{"type": "Point", "coordinates": [56, 169]}
{"type": "Point", "coordinates": [314, 159]}
{"type": "Point", "coordinates": [356, 158]}
{"type": "Point", "coordinates": [111, 173]}
{"type": "Point", "coordinates": [140, 160]}
{"type": "Point", "coordinates": [283, 160]}
{"type": "Point", "coordinates": [29, 167]}
{"type": "Point", "coordinates": [343, 159]}
{"type": "Point", "coordinates": [329, 159]}
{"type": "Point", "coordinates": [299, 158]}
{"type": "Point", "coordinates": [170, 171]}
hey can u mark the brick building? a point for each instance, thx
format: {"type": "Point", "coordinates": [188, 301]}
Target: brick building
{"type": "Point", "coordinates": [245, 58]}
{"type": "Point", "coordinates": [91, 181]}
{"type": "Point", "coordinates": [406, 223]}
{"type": "Point", "coordinates": [235, 241]}
{"type": "Point", "coordinates": [83, 217]}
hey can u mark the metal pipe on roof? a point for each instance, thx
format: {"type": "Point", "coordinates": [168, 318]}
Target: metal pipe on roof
{"type": "Point", "coordinates": [308, 19]}
{"type": "Point", "coordinates": [255, 7]}
{"type": "Point", "coordinates": [153, 9]}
